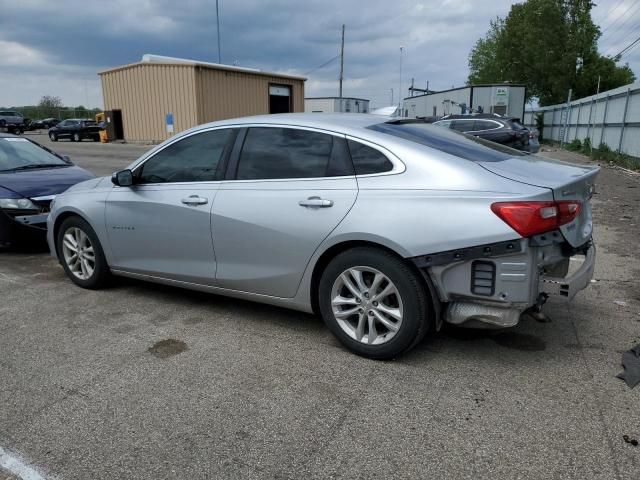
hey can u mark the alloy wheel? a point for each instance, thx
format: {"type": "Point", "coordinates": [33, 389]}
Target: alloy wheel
{"type": "Point", "coordinates": [78, 253]}
{"type": "Point", "coordinates": [367, 305]}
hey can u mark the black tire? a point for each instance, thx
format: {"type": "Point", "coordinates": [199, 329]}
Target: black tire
{"type": "Point", "coordinates": [96, 139]}
{"type": "Point", "coordinates": [101, 273]}
{"type": "Point", "coordinates": [53, 137]}
{"type": "Point", "coordinates": [411, 288]}
{"type": "Point", "coordinates": [76, 137]}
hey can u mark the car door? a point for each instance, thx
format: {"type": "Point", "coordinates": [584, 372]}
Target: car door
{"type": "Point", "coordinates": [287, 189]}
{"type": "Point", "coordinates": [161, 225]}
{"type": "Point", "coordinates": [62, 129]}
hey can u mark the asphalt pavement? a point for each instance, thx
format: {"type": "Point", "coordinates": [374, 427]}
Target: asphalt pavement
{"type": "Point", "coordinates": [147, 382]}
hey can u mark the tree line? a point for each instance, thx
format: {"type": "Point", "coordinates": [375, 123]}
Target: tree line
{"type": "Point", "coordinates": [551, 46]}
{"type": "Point", "coordinates": [52, 107]}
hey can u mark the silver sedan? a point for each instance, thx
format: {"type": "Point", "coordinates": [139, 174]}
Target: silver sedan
{"type": "Point", "coordinates": [385, 227]}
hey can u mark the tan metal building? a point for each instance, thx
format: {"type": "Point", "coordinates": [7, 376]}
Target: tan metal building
{"type": "Point", "coordinates": [151, 100]}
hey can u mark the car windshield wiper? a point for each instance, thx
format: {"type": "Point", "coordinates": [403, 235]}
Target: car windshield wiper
{"type": "Point", "coordinates": [33, 166]}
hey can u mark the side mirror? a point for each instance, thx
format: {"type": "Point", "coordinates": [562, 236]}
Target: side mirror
{"type": "Point", "coordinates": [123, 178]}
{"type": "Point", "coordinates": [66, 158]}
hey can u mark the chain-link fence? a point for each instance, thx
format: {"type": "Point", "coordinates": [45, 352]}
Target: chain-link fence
{"type": "Point", "coordinates": [37, 113]}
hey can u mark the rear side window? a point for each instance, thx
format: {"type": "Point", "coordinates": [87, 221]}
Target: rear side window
{"type": "Point", "coordinates": [462, 125]}
{"type": "Point", "coordinates": [485, 125]}
{"type": "Point", "coordinates": [367, 160]}
{"type": "Point", "coordinates": [271, 153]}
{"type": "Point", "coordinates": [192, 159]}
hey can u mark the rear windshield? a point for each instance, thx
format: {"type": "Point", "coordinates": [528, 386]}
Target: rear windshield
{"type": "Point", "coordinates": [517, 125]}
{"type": "Point", "coordinates": [449, 141]}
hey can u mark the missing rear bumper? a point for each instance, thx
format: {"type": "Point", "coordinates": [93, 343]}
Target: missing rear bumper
{"type": "Point", "coordinates": [567, 287]}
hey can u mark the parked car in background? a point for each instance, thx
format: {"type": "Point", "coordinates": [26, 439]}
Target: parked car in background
{"type": "Point", "coordinates": [50, 122]}
{"type": "Point", "coordinates": [385, 228]}
{"type": "Point", "coordinates": [34, 125]}
{"type": "Point", "coordinates": [496, 128]}
{"type": "Point", "coordinates": [76, 130]}
{"type": "Point", "coordinates": [12, 121]}
{"type": "Point", "coordinates": [30, 177]}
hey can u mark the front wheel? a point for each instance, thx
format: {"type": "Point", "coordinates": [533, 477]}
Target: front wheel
{"type": "Point", "coordinates": [81, 254]}
{"type": "Point", "coordinates": [373, 303]}
{"type": "Point", "coordinates": [53, 137]}
{"type": "Point", "coordinates": [76, 137]}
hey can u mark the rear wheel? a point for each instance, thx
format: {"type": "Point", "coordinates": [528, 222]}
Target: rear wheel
{"type": "Point", "coordinates": [81, 254]}
{"type": "Point", "coordinates": [373, 303]}
{"type": "Point", "coordinates": [76, 137]}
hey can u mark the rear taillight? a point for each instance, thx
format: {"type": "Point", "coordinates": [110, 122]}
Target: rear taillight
{"type": "Point", "coordinates": [532, 218]}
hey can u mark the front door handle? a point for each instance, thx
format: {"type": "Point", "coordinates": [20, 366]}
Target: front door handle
{"type": "Point", "coordinates": [194, 200]}
{"type": "Point", "coordinates": [316, 202]}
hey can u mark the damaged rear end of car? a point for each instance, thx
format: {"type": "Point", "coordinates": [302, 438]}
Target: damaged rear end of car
{"type": "Point", "coordinates": [549, 252]}
{"type": "Point", "coordinates": [492, 285]}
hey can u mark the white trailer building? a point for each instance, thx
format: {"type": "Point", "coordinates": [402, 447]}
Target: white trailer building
{"type": "Point", "coordinates": [336, 104]}
{"type": "Point", "coordinates": [502, 98]}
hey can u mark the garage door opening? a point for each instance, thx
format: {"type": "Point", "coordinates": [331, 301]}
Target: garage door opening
{"type": "Point", "coordinates": [279, 99]}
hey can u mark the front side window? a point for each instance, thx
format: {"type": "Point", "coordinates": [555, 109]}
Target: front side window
{"type": "Point", "coordinates": [192, 159]}
{"type": "Point", "coordinates": [367, 160]}
{"type": "Point", "coordinates": [282, 153]}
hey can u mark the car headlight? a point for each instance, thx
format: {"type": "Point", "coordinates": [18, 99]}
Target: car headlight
{"type": "Point", "coordinates": [17, 204]}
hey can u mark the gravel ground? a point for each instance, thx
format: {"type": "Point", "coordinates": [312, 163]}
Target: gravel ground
{"type": "Point", "coordinates": [144, 381]}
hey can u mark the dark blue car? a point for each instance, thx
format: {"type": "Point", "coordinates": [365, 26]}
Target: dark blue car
{"type": "Point", "coordinates": [30, 177]}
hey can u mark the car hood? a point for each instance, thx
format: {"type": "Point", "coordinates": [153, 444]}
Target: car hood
{"type": "Point", "coordinates": [47, 181]}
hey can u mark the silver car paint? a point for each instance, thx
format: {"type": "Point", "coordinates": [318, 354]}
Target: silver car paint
{"type": "Point", "coordinates": [431, 202]}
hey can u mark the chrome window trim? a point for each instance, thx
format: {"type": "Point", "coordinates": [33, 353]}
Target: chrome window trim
{"type": "Point", "coordinates": [398, 165]}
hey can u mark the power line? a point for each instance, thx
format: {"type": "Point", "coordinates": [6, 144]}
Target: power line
{"type": "Point", "coordinates": [620, 16]}
{"type": "Point", "coordinates": [628, 48]}
{"type": "Point", "coordinates": [629, 18]}
{"type": "Point", "coordinates": [621, 38]}
{"type": "Point", "coordinates": [322, 65]}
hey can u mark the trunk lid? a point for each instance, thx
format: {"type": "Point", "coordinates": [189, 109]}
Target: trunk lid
{"type": "Point", "coordinates": [567, 181]}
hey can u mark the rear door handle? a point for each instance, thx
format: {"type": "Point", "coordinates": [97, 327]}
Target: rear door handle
{"type": "Point", "coordinates": [194, 200]}
{"type": "Point", "coordinates": [316, 202]}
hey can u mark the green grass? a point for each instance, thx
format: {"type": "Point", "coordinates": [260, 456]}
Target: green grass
{"type": "Point", "coordinates": [603, 153]}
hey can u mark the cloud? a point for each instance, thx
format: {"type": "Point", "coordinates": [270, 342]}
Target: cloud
{"type": "Point", "coordinates": [14, 54]}
{"type": "Point", "coordinates": [45, 49]}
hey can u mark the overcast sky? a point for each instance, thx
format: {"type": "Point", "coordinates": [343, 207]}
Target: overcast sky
{"type": "Point", "coordinates": [56, 47]}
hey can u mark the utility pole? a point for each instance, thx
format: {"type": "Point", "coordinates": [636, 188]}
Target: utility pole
{"type": "Point", "coordinates": [391, 96]}
{"type": "Point", "coordinates": [218, 31]}
{"type": "Point", "coordinates": [400, 90]}
{"type": "Point", "coordinates": [341, 63]}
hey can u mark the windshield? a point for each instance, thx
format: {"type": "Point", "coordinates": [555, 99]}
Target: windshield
{"type": "Point", "coordinates": [16, 153]}
{"type": "Point", "coordinates": [449, 141]}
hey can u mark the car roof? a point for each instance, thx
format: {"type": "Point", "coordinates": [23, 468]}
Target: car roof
{"type": "Point", "coordinates": [345, 123]}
